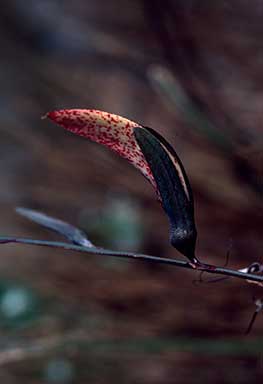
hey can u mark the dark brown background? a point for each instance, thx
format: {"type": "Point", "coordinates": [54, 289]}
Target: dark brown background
{"type": "Point", "coordinates": [193, 71]}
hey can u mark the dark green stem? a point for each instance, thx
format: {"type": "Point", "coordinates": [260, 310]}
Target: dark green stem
{"type": "Point", "coordinates": [137, 256]}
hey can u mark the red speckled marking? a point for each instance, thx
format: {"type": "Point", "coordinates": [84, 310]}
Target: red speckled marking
{"type": "Point", "coordinates": [111, 130]}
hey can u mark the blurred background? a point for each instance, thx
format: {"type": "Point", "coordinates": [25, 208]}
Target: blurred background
{"type": "Point", "coordinates": [190, 69]}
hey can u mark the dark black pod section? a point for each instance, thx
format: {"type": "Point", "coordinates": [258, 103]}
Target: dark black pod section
{"type": "Point", "coordinates": [173, 187]}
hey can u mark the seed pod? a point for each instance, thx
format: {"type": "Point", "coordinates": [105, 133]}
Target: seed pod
{"type": "Point", "coordinates": [149, 152]}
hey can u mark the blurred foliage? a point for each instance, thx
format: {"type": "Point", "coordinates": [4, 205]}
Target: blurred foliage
{"type": "Point", "coordinates": [190, 69]}
{"type": "Point", "coordinates": [18, 305]}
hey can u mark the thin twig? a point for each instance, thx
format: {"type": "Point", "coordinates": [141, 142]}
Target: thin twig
{"type": "Point", "coordinates": [259, 308]}
{"type": "Point", "coordinates": [130, 255]}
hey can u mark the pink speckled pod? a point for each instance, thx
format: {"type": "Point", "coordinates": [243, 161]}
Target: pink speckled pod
{"type": "Point", "coordinates": [148, 151]}
{"type": "Point", "coordinates": [113, 131]}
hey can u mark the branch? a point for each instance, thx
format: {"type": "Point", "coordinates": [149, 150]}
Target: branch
{"type": "Point", "coordinates": [43, 346]}
{"type": "Point", "coordinates": [137, 256]}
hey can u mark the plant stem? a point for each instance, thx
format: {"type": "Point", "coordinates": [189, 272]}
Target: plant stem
{"type": "Point", "coordinates": [130, 255]}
